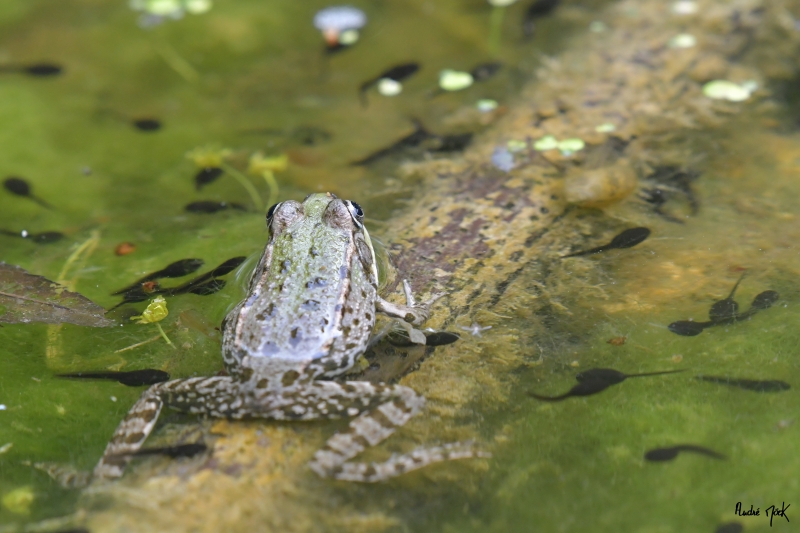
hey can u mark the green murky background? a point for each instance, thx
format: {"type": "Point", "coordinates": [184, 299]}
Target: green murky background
{"type": "Point", "coordinates": [572, 466]}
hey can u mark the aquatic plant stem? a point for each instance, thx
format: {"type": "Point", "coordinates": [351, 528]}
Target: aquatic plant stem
{"type": "Point", "coordinates": [242, 179]}
{"type": "Point", "coordinates": [132, 346]}
{"type": "Point", "coordinates": [272, 183]}
{"type": "Point", "coordinates": [496, 28]}
{"type": "Point", "coordinates": [76, 258]}
{"type": "Point", "coordinates": [85, 249]}
{"type": "Point", "coordinates": [172, 58]}
{"type": "Point", "coordinates": [164, 335]}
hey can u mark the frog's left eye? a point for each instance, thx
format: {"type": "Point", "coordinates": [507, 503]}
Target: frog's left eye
{"type": "Point", "coordinates": [356, 212]}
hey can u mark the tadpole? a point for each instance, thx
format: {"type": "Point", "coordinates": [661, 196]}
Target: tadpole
{"type": "Point", "coordinates": [722, 308]}
{"type": "Point", "coordinates": [41, 70]}
{"type": "Point", "coordinates": [45, 237]}
{"type": "Point", "coordinates": [133, 378]}
{"type": "Point", "coordinates": [20, 187]}
{"type": "Point", "coordinates": [538, 9]}
{"type": "Point", "coordinates": [397, 73]}
{"type": "Point", "coordinates": [178, 269]}
{"type": "Point", "coordinates": [206, 175]}
{"type": "Point", "coordinates": [627, 239]}
{"type": "Point", "coordinates": [179, 450]}
{"type": "Point", "coordinates": [670, 453]}
{"type": "Point", "coordinates": [597, 380]}
{"type": "Point", "coordinates": [147, 125]}
{"type": "Point", "coordinates": [484, 71]}
{"type": "Point", "coordinates": [727, 308]}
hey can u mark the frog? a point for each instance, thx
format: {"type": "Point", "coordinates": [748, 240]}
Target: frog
{"type": "Point", "coordinates": [305, 321]}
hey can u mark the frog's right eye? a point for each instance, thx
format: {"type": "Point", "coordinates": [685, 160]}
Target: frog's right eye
{"type": "Point", "coordinates": [271, 213]}
{"type": "Point", "coordinates": [356, 212]}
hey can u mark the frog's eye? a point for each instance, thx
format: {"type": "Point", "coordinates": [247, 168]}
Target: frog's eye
{"type": "Point", "coordinates": [271, 212]}
{"type": "Point", "coordinates": [356, 212]}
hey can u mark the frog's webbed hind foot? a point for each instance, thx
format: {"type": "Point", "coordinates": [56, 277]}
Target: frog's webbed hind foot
{"type": "Point", "coordinates": [372, 427]}
{"type": "Point", "coordinates": [217, 396]}
{"type": "Point", "coordinates": [412, 312]}
{"type": "Point", "coordinates": [66, 476]}
{"type": "Point", "coordinates": [397, 465]}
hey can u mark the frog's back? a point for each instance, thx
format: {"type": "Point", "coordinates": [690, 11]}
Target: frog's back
{"type": "Point", "coordinates": [306, 295]}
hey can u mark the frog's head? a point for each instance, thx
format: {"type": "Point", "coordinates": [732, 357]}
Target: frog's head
{"type": "Point", "coordinates": [326, 208]}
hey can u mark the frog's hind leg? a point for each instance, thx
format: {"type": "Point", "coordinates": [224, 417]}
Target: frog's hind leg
{"type": "Point", "coordinates": [216, 396]}
{"type": "Point", "coordinates": [370, 428]}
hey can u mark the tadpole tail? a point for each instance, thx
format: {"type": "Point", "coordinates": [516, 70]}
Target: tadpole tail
{"type": "Point", "coordinates": [656, 373]}
{"type": "Point", "coordinates": [91, 375]}
{"type": "Point", "coordinates": [585, 252]}
{"type": "Point", "coordinates": [550, 398]}
{"type": "Point", "coordinates": [733, 291]}
{"type": "Point", "coordinates": [227, 266]}
{"type": "Point", "coordinates": [41, 202]}
{"type": "Point", "coordinates": [700, 450]}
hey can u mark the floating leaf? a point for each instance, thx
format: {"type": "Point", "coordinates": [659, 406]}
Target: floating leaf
{"type": "Point", "coordinates": [27, 298]}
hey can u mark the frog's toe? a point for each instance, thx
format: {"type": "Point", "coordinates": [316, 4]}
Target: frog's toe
{"type": "Point", "coordinates": [67, 476]}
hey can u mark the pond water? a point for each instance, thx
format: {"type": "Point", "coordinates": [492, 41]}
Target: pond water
{"type": "Point", "coordinates": [252, 81]}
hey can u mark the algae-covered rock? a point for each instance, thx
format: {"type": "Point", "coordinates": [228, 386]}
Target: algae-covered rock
{"type": "Point", "coordinates": [600, 187]}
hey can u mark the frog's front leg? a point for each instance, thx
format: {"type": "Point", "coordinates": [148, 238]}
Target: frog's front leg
{"type": "Point", "coordinates": [412, 312]}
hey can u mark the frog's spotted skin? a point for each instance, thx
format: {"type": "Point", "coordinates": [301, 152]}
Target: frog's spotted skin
{"type": "Point", "coordinates": [307, 318]}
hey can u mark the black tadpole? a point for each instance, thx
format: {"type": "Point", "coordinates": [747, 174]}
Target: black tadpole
{"type": "Point", "coordinates": [615, 376]}
{"type": "Point", "coordinates": [764, 300]}
{"type": "Point", "coordinates": [727, 308]}
{"type": "Point", "coordinates": [597, 380]}
{"type": "Point", "coordinates": [584, 388]}
{"type": "Point", "coordinates": [146, 124]}
{"type": "Point", "coordinates": [202, 285]}
{"type": "Point", "coordinates": [179, 450]}
{"type": "Point", "coordinates": [484, 71]}
{"type": "Point", "coordinates": [538, 9]}
{"type": "Point", "coordinates": [432, 338]}
{"type": "Point", "coordinates": [208, 288]}
{"type": "Point", "coordinates": [201, 280]}
{"type": "Point", "coordinates": [627, 239]}
{"type": "Point", "coordinates": [206, 175]}
{"type": "Point", "coordinates": [178, 269]}
{"type": "Point", "coordinates": [397, 73]}
{"type": "Point", "coordinates": [419, 137]}
{"type": "Point", "coordinates": [36, 69]}
{"type": "Point", "coordinates": [134, 378]}
{"type": "Point", "coordinates": [45, 237]}
{"type": "Point", "coordinates": [20, 187]}
{"type": "Point", "coordinates": [755, 385]}
{"type": "Point", "coordinates": [689, 328]}
{"type": "Point", "coordinates": [670, 453]}
{"type": "Point", "coordinates": [414, 139]}
{"type": "Point", "coordinates": [440, 338]}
